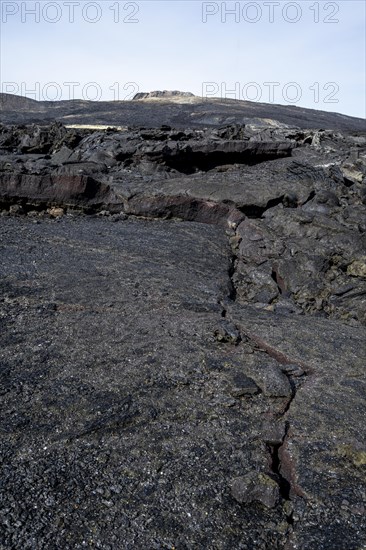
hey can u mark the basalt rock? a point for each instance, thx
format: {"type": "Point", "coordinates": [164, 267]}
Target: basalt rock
{"type": "Point", "coordinates": [78, 191]}
{"type": "Point", "coordinates": [182, 326]}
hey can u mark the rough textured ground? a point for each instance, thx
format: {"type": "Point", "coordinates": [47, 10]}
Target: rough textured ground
{"type": "Point", "coordinates": [181, 112]}
{"type": "Point", "coordinates": [182, 338]}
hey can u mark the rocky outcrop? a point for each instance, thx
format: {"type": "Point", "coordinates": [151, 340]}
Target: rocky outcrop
{"type": "Point", "coordinates": [166, 94]}
{"type": "Point", "coordinates": [295, 200]}
{"type": "Point", "coordinates": [33, 190]}
{"type": "Point", "coordinates": [185, 208]}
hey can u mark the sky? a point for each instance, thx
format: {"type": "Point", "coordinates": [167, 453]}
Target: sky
{"type": "Point", "coordinates": [307, 53]}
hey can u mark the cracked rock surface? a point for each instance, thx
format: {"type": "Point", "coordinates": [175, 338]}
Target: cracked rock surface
{"type": "Point", "coordinates": [182, 319]}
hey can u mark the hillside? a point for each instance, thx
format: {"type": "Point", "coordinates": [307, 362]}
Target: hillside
{"type": "Point", "coordinates": [177, 111]}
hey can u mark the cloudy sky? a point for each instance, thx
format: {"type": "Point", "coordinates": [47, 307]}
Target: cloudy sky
{"type": "Point", "coordinates": [307, 53]}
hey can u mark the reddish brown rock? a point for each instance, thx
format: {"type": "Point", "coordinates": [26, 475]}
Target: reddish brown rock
{"type": "Point", "coordinates": [82, 191]}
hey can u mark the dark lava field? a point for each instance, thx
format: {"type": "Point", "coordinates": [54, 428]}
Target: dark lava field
{"type": "Point", "coordinates": [182, 326]}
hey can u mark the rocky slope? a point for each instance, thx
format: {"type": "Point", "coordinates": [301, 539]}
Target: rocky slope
{"type": "Point", "coordinates": [183, 318]}
{"type": "Point", "coordinates": [182, 111]}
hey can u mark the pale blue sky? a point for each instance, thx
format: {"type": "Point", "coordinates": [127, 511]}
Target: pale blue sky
{"type": "Point", "coordinates": [313, 50]}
